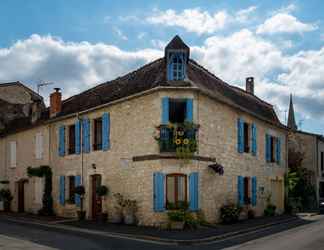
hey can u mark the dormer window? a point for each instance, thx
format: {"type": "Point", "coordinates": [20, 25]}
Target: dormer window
{"type": "Point", "coordinates": [176, 56]}
{"type": "Point", "coordinates": [176, 67]}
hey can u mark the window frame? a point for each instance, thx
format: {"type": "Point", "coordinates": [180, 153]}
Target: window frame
{"type": "Point", "coordinates": [176, 175]}
{"type": "Point", "coordinates": [97, 146]}
{"type": "Point", "coordinates": [71, 141]}
{"type": "Point", "coordinates": [247, 195]}
{"type": "Point", "coordinates": [176, 67]}
{"type": "Point", "coordinates": [273, 145]}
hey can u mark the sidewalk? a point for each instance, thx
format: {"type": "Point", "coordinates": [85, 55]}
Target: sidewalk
{"type": "Point", "coordinates": [9, 243]}
{"type": "Point", "coordinates": [201, 235]}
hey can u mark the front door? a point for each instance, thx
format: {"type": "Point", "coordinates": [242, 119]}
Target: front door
{"type": "Point", "coordinates": [96, 200]}
{"type": "Point", "coordinates": [21, 197]}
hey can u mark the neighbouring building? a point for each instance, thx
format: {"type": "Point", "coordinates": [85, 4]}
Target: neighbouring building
{"type": "Point", "coordinates": [311, 147]}
{"type": "Point", "coordinates": [128, 134]}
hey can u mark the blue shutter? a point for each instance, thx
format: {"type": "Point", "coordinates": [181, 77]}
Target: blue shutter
{"type": "Point", "coordinates": [78, 137]}
{"type": "Point", "coordinates": [158, 192]}
{"type": "Point", "coordinates": [268, 148]}
{"type": "Point", "coordinates": [278, 150]}
{"type": "Point", "coordinates": [62, 190]}
{"type": "Point", "coordinates": [193, 192]}
{"type": "Point", "coordinates": [240, 138]}
{"type": "Point", "coordinates": [254, 139]}
{"type": "Point", "coordinates": [61, 141]}
{"type": "Point", "coordinates": [86, 135]}
{"type": "Point", "coordinates": [189, 108]}
{"type": "Point", "coordinates": [254, 191]}
{"type": "Point", "coordinates": [240, 190]}
{"type": "Point", "coordinates": [77, 197]}
{"type": "Point", "coordinates": [165, 111]}
{"type": "Point", "coordinates": [105, 131]}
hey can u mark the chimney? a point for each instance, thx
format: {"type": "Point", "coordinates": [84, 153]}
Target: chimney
{"type": "Point", "coordinates": [249, 85]}
{"type": "Point", "coordinates": [55, 102]}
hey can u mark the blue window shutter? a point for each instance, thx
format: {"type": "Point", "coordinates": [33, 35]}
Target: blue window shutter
{"type": "Point", "coordinates": [158, 192]}
{"type": "Point", "coordinates": [189, 107]}
{"type": "Point", "coordinates": [254, 191]}
{"type": "Point", "coordinates": [254, 139]}
{"type": "Point", "coordinates": [86, 135]}
{"type": "Point", "coordinates": [77, 198]}
{"type": "Point", "coordinates": [193, 191]}
{"type": "Point", "coordinates": [240, 190]}
{"type": "Point", "coordinates": [61, 141]}
{"type": "Point", "coordinates": [62, 190]}
{"type": "Point", "coordinates": [240, 138]}
{"type": "Point", "coordinates": [165, 111]}
{"type": "Point", "coordinates": [278, 150]}
{"type": "Point", "coordinates": [105, 131]}
{"type": "Point", "coordinates": [268, 148]}
{"type": "Point", "coordinates": [78, 137]}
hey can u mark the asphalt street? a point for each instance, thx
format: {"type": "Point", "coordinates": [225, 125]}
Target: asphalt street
{"type": "Point", "coordinates": [293, 235]}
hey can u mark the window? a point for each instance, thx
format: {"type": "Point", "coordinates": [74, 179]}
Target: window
{"type": "Point", "coordinates": [176, 67]}
{"type": "Point", "coordinates": [247, 198]}
{"type": "Point", "coordinates": [71, 189]}
{"type": "Point", "coordinates": [39, 146]}
{"type": "Point", "coordinates": [97, 139]}
{"type": "Point", "coordinates": [272, 149]}
{"type": "Point", "coordinates": [72, 139]}
{"type": "Point", "coordinates": [177, 110]}
{"type": "Point", "coordinates": [176, 190]}
{"type": "Point", "coordinates": [13, 154]}
{"type": "Point", "coordinates": [246, 138]}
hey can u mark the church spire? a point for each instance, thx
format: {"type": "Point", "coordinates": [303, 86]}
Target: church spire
{"type": "Point", "coordinates": [291, 116]}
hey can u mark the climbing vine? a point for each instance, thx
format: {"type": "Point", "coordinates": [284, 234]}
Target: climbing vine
{"type": "Point", "coordinates": [46, 172]}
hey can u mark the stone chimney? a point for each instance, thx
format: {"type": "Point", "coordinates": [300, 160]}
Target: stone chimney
{"type": "Point", "coordinates": [55, 102]}
{"type": "Point", "coordinates": [249, 85]}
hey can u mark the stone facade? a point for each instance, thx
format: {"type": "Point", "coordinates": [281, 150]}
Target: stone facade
{"type": "Point", "coordinates": [133, 123]}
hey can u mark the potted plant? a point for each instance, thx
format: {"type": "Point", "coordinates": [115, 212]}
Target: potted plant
{"type": "Point", "coordinates": [129, 211]}
{"type": "Point", "coordinates": [80, 190]}
{"type": "Point", "coordinates": [230, 213]}
{"type": "Point", "coordinates": [117, 216]}
{"type": "Point", "coordinates": [270, 209]}
{"type": "Point", "coordinates": [176, 219]}
{"type": "Point", "coordinates": [7, 198]}
{"type": "Point", "coordinates": [102, 191]}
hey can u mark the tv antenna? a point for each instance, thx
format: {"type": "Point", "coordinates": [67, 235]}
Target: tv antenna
{"type": "Point", "coordinates": [42, 84]}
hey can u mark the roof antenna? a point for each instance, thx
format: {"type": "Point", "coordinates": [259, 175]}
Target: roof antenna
{"type": "Point", "coordinates": [42, 84]}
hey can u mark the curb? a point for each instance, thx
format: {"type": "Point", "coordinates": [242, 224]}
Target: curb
{"type": "Point", "coordinates": [153, 239]}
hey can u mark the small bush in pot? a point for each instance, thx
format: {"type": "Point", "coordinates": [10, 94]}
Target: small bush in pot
{"type": "Point", "coordinates": [129, 211]}
{"type": "Point", "coordinates": [102, 191]}
{"type": "Point", "coordinates": [117, 216]}
{"type": "Point", "coordinates": [230, 213]}
{"type": "Point", "coordinates": [80, 190]}
{"type": "Point", "coordinates": [7, 198]}
{"type": "Point", "coordinates": [270, 209]}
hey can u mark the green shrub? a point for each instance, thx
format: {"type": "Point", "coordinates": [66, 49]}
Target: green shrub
{"type": "Point", "coordinates": [230, 213]}
{"type": "Point", "coordinates": [176, 215]}
{"type": "Point", "coordinates": [270, 210]}
{"type": "Point", "coordinates": [102, 190]}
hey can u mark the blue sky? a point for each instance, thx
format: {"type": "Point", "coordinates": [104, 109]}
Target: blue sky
{"type": "Point", "coordinates": [77, 44]}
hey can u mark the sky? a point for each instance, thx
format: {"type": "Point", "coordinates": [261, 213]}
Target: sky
{"type": "Point", "coordinates": [78, 44]}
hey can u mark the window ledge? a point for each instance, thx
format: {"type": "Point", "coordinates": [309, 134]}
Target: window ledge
{"type": "Point", "coordinates": [161, 156]}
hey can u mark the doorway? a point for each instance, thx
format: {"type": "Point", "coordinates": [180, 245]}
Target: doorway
{"type": "Point", "coordinates": [21, 196]}
{"type": "Point", "coordinates": [96, 203]}
{"type": "Point", "coordinates": [277, 191]}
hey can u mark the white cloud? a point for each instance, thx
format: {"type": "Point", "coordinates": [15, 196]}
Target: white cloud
{"type": "Point", "coordinates": [71, 66]}
{"type": "Point", "coordinates": [284, 23]}
{"type": "Point", "coordinates": [245, 14]}
{"type": "Point", "coordinates": [287, 9]}
{"type": "Point", "coordinates": [192, 20]}
{"type": "Point", "coordinates": [120, 33]}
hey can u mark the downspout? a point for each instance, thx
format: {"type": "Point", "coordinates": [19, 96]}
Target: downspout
{"type": "Point", "coordinates": [81, 146]}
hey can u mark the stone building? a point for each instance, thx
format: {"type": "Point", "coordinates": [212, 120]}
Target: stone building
{"type": "Point", "coordinates": [167, 133]}
{"type": "Point", "coordinates": [311, 148]}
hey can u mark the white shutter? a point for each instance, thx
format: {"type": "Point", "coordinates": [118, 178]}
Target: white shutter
{"type": "Point", "coordinates": [13, 154]}
{"type": "Point", "coordinates": [39, 146]}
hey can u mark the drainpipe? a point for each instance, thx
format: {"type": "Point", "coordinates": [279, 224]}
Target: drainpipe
{"type": "Point", "coordinates": [81, 147]}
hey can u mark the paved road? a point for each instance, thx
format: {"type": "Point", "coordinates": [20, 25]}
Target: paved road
{"type": "Point", "coordinates": [309, 237]}
{"type": "Point", "coordinates": [58, 239]}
